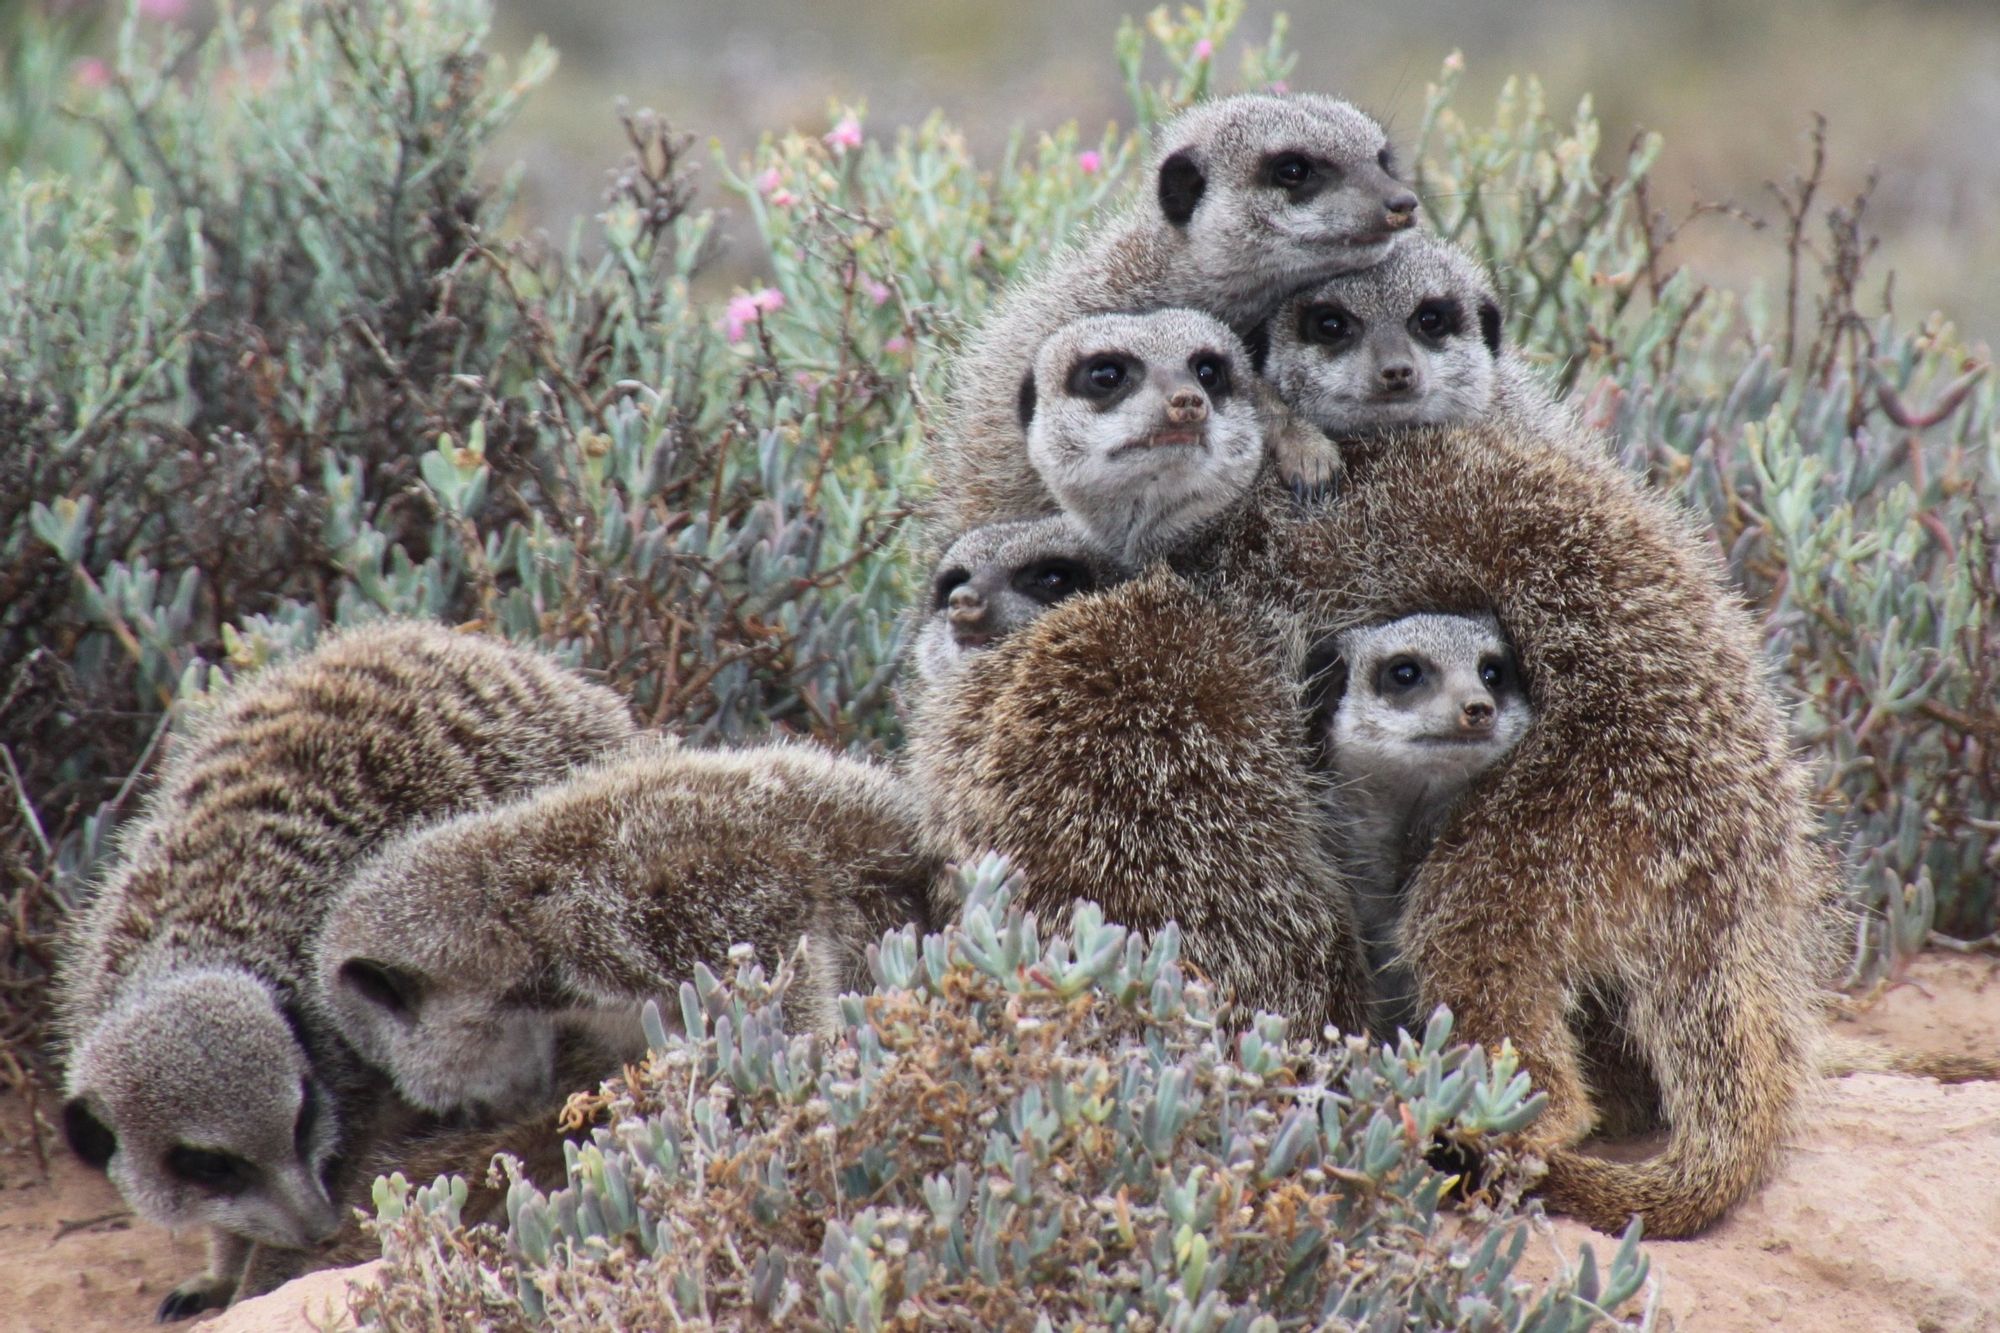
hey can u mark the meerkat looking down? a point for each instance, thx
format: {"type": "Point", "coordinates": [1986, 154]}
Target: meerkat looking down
{"type": "Point", "coordinates": [1415, 340]}
{"type": "Point", "coordinates": [454, 956]}
{"type": "Point", "coordinates": [1143, 427]}
{"type": "Point", "coordinates": [199, 1074]}
{"type": "Point", "coordinates": [997, 578]}
{"type": "Point", "coordinates": [1246, 200]}
{"type": "Point", "coordinates": [1430, 702]}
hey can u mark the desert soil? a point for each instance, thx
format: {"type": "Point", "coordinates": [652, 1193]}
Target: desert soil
{"type": "Point", "coordinates": [1885, 1215]}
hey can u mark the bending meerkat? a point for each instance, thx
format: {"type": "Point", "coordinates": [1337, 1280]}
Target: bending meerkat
{"type": "Point", "coordinates": [1143, 427]}
{"type": "Point", "coordinates": [1415, 340]}
{"type": "Point", "coordinates": [1247, 199]}
{"type": "Point", "coordinates": [1111, 760]}
{"type": "Point", "coordinates": [199, 1075]}
{"type": "Point", "coordinates": [1429, 703]}
{"type": "Point", "coordinates": [453, 956]}
{"type": "Point", "coordinates": [997, 578]}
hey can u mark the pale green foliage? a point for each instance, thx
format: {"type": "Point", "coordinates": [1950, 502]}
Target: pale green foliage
{"type": "Point", "coordinates": [1010, 1132]}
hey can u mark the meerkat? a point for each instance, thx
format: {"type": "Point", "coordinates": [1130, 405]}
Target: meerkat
{"type": "Point", "coordinates": [1142, 747]}
{"type": "Point", "coordinates": [1427, 704]}
{"type": "Point", "coordinates": [1247, 199]}
{"type": "Point", "coordinates": [997, 578]}
{"type": "Point", "coordinates": [453, 956]}
{"type": "Point", "coordinates": [1144, 427]}
{"type": "Point", "coordinates": [198, 1073]}
{"type": "Point", "coordinates": [1415, 340]}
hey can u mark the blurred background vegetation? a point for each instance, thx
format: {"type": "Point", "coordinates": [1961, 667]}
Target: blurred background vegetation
{"type": "Point", "coordinates": [286, 342]}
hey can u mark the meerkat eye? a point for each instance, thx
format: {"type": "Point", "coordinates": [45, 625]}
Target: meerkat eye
{"type": "Point", "coordinates": [1492, 673]}
{"type": "Point", "coordinates": [1212, 372]}
{"type": "Point", "coordinates": [1386, 160]}
{"type": "Point", "coordinates": [1437, 319]}
{"type": "Point", "coordinates": [1049, 581]}
{"type": "Point", "coordinates": [1328, 326]}
{"type": "Point", "coordinates": [302, 1128]}
{"type": "Point", "coordinates": [1289, 171]}
{"type": "Point", "coordinates": [1399, 674]}
{"type": "Point", "coordinates": [1102, 377]}
{"type": "Point", "coordinates": [216, 1172]}
{"type": "Point", "coordinates": [947, 583]}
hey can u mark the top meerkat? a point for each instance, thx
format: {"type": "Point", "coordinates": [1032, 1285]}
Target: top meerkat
{"type": "Point", "coordinates": [1249, 198]}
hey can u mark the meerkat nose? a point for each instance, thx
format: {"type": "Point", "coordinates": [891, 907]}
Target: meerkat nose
{"type": "Point", "coordinates": [1397, 377]}
{"type": "Point", "coordinates": [1187, 407]}
{"type": "Point", "coordinates": [967, 607]}
{"type": "Point", "coordinates": [1401, 208]}
{"type": "Point", "coordinates": [1477, 715]}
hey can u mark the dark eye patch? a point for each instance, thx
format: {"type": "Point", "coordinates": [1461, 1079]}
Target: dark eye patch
{"type": "Point", "coordinates": [1298, 174]}
{"type": "Point", "coordinates": [1211, 371]}
{"type": "Point", "coordinates": [1399, 675]}
{"type": "Point", "coordinates": [390, 988]}
{"type": "Point", "coordinates": [302, 1127]}
{"type": "Point", "coordinates": [1438, 318]}
{"type": "Point", "coordinates": [1105, 378]}
{"type": "Point", "coordinates": [1324, 324]}
{"type": "Point", "coordinates": [1051, 581]}
{"type": "Point", "coordinates": [947, 583]}
{"type": "Point", "coordinates": [217, 1172]}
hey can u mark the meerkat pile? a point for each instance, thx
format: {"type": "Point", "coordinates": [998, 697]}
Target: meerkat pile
{"type": "Point", "coordinates": [1390, 471]}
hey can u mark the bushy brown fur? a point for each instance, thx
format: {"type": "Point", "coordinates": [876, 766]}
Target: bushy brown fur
{"type": "Point", "coordinates": [1644, 864]}
{"type": "Point", "coordinates": [1142, 748]}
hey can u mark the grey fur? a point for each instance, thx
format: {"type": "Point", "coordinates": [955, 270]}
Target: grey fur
{"type": "Point", "coordinates": [1416, 340]}
{"type": "Point", "coordinates": [1146, 461]}
{"type": "Point", "coordinates": [454, 956]}
{"type": "Point", "coordinates": [997, 578]}
{"type": "Point", "coordinates": [1244, 243]}
{"type": "Point", "coordinates": [179, 989]}
{"type": "Point", "coordinates": [1404, 751]}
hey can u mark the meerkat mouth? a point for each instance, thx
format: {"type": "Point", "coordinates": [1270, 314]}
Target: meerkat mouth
{"type": "Point", "coordinates": [1173, 437]}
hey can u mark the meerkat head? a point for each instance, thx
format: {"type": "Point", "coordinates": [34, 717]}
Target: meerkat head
{"type": "Point", "coordinates": [997, 578]}
{"type": "Point", "coordinates": [1141, 426]}
{"type": "Point", "coordinates": [1266, 194]}
{"type": "Point", "coordinates": [197, 1097]}
{"type": "Point", "coordinates": [1412, 341]}
{"type": "Point", "coordinates": [1435, 698]}
{"type": "Point", "coordinates": [428, 976]}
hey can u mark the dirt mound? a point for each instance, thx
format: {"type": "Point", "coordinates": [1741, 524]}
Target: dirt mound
{"type": "Point", "coordinates": [1882, 1216]}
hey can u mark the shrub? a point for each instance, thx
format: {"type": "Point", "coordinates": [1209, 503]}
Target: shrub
{"type": "Point", "coordinates": [1006, 1134]}
{"type": "Point", "coordinates": [270, 359]}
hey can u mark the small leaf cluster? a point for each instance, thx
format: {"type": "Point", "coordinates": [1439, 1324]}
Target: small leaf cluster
{"type": "Point", "coordinates": [1010, 1131]}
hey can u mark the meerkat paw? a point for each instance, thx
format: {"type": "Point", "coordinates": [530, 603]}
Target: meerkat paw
{"type": "Point", "coordinates": [1309, 462]}
{"type": "Point", "coordinates": [190, 1298]}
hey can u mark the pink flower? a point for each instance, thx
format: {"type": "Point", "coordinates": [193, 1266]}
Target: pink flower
{"type": "Point", "coordinates": [1090, 161]}
{"type": "Point", "coordinates": [845, 135]}
{"type": "Point", "coordinates": [897, 345]}
{"type": "Point", "coordinates": [90, 72]}
{"type": "Point", "coordinates": [878, 291]}
{"type": "Point", "coordinates": [746, 308]}
{"type": "Point", "coordinates": [1203, 49]}
{"type": "Point", "coordinates": [1280, 88]}
{"type": "Point", "coordinates": [166, 11]}
{"type": "Point", "coordinates": [769, 181]}
{"type": "Point", "coordinates": [783, 199]}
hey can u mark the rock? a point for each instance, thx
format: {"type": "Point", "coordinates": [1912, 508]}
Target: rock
{"type": "Point", "coordinates": [315, 1303]}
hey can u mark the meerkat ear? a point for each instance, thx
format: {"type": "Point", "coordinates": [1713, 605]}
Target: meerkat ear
{"type": "Point", "coordinates": [1181, 187]}
{"type": "Point", "coordinates": [1258, 343]}
{"type": "Point", "coordinates": [1024, 402]}
{"type": "Point", "coordinates": [89, 1138]}
{"type": "Point", "coordinates": [1489, 326]}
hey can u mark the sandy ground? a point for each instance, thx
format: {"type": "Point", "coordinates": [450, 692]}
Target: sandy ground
{"type": "Point", "coordinates": [1884, 1216]}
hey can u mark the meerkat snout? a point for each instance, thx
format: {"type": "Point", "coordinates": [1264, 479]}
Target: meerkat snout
{"type": "Point", "coordinates": [997, 578]}
{"type": "Point", "coordinates": [1399, 210]}
{"type": "Point", "coordinates": [1476, 716]}
{"type": "Point", "coordinates": [1187, 407]}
